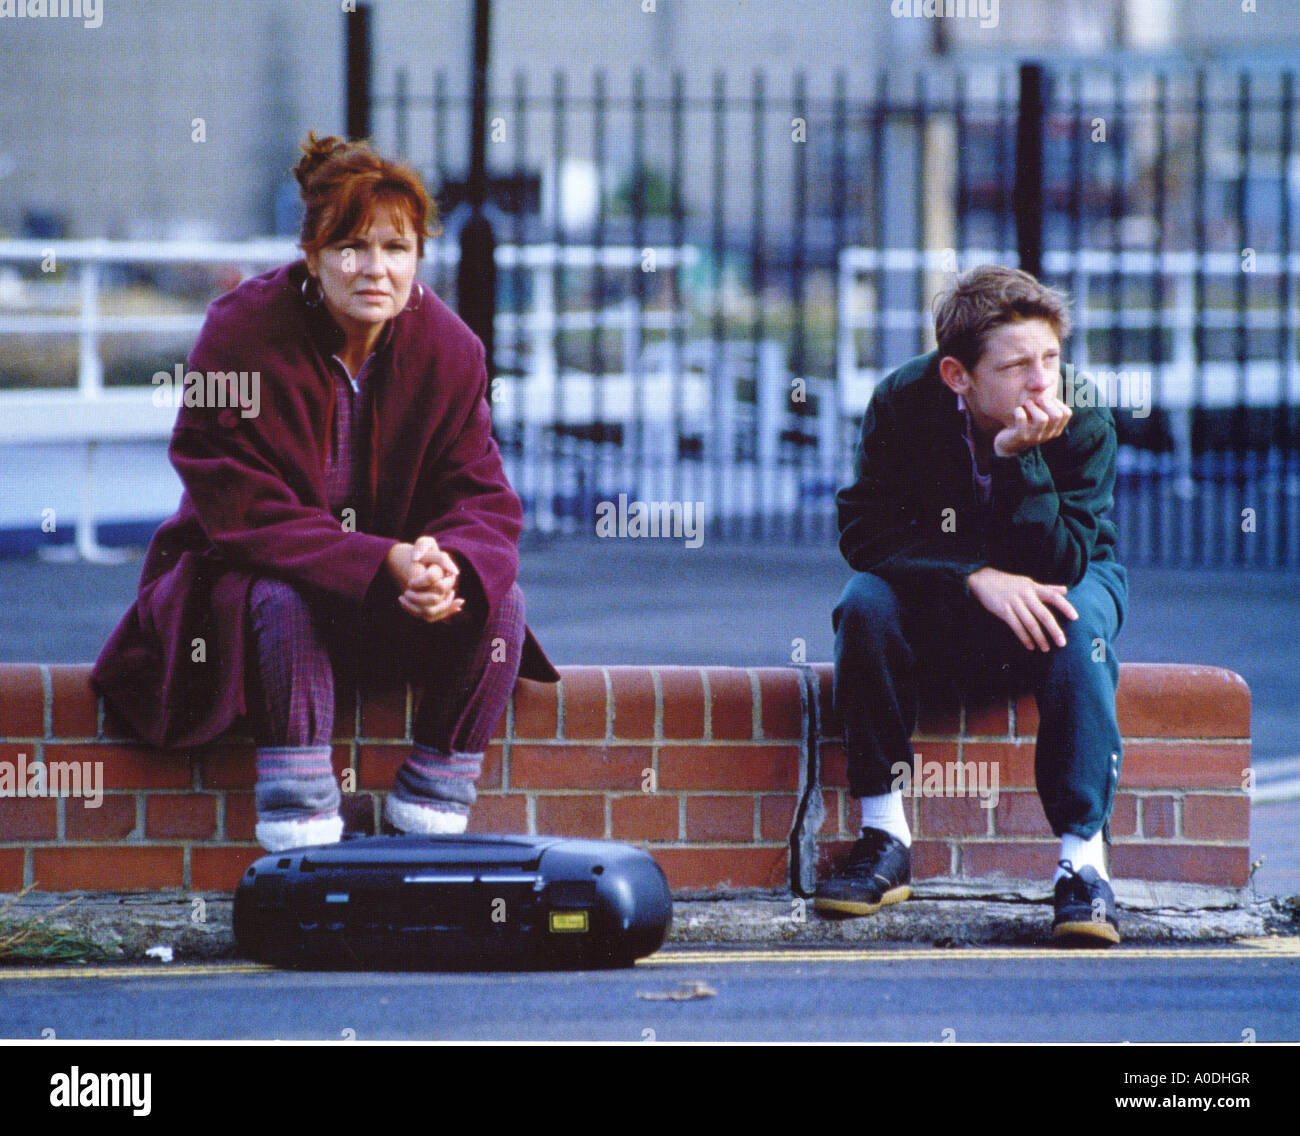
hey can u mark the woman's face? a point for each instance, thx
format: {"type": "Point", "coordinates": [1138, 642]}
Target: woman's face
{"type": "Point", "coordinates": [366, 278]}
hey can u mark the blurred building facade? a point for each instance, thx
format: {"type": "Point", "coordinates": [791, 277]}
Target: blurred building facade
{"type": "Point", "coordinates": [181, 117]}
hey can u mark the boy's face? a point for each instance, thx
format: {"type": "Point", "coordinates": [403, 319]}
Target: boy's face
{"type": "Point", "coordinates": [1021, 363]}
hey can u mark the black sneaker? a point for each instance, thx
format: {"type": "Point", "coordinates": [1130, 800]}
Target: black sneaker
{"type": "Point", "coordinates": [1085, 909]}
{"type": "Point", "coordinates": [878, 872]}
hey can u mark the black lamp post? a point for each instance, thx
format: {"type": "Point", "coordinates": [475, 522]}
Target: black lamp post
{"type": "Point", "coordinates": [476, 277]}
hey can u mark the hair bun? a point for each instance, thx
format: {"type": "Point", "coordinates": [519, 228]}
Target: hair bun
{"type": "Point", "coordinates": [315, 153]}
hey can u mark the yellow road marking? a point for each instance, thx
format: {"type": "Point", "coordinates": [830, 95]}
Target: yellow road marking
{"type": "Point", "coordinates": [158, 970]}
{"type": "Point", "coordinates": [1245, 949]}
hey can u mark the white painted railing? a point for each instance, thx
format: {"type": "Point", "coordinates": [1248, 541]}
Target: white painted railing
{"type": "Point", "coordinates": [89, 415]}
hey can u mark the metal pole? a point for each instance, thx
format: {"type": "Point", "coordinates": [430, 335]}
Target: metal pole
{"type": "Point", "coordinates": [476, 277]}
{"type": "Point", "coordinates": [357, 34]}
{"type": "Point", "coordinates": [1027, 198]}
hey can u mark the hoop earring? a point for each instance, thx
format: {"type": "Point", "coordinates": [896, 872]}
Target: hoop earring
{"type": "Point", "coordinates": [313, 299]}
{"type": "Point", "coordinates": [417, 294]}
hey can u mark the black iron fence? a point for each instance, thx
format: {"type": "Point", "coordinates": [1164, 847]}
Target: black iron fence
{"type": "Point", "coordinates": [701, 280]}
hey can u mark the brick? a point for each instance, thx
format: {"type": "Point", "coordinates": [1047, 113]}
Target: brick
{"type": "Point", "coordinates": [1159, 817]}
{"type": "Point", "coordinates": [780, 692]}
{"type": "Point", "coordinates": [634, 702]}
{"type": "Point", "coordinates": [74, 710]}
{"type": "Point", "coordinates": [383, 712]}
{"type": "Point", "coordinates": [1212, 817]}
{"type": "Point", "coordinates": [115, 819]}
{"type": "Point", "coordinates": [1123, 816]}
{"type": "Point", "coordinates": [1020, 814]}
{"type": "Point", "coordinates": [22, 701]}
{"type": "Point", "coordinates": [537, 709]}
{"type": "Point", "coordinates": [28, 818]}
{"type": "Point", "coordinates": [1015, 761]}
{"type": "Point", "coordinates": [1018, 861]}
{"type": "Point", "coordinates": [1027, 716]}
{"type": "Point", "coordinates": [931, 858]}
{"type": "Point", "coordinates": [927, 758]}
{"type": "Point", "coordinates": [500, 813]}
{"type": "Point", "coordinates": [340, 759]}
{"type": "Point", "coordinates": [377, 764]}
{"type": "Point", "coordinates": [107, 868]}
{"type": "Point", "coordinates": [241, 817]}
{"type": "Point", "coordinates": [11, 869]}
{"type": "Point", "coordinates": [644, 816]}
{"type": "Point", "coordinates": [833, 807]}
{"type": "Point", "coordinates": [228, 767]}
{"type": "Point", "coordinates": [578, 766]}
{"type": "Point", "coordinates": [776, 816]}
{"type": "Point", "coordinates": [571, 816]}
{"type": "Point", "coordinates": [1168, 700]}
{"type": "Point", "coordinates": [12, 754]}
{"type": "Point", "coordinates": [987, 716]}
{"type": "Point", "coordinates": [683, 699]}
{"type": "Point", "coordinates": [717, 868]}
{"type": "Point", "coordinates": [180, 816]}
{"type": "Point", "coordinates": [717, 820]}
{"type": "Point", "coordinates": [1224, 865]}
{"type": "Point", "coordinates": [833, 763]}
{"type": "Point", "coordinates": [736, 767]}
{"type": "Point", "coordinates": [128, 767]}
{"type": "Point", "coordinates": [583, 692]}
{"type": "Point", "coordinates": [1185, 765]}
{"type": "Point", "coordinates": [222, 867]}
{"type": "Point", "coordinates": [493, 775]}
{"type": "Point", "coordinates": [951, 816]}
{"type": "Point", "coordinates": [731, 701]}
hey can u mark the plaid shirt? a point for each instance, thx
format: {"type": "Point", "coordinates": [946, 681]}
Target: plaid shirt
{"type": "Point", "coordinates": [347, 455]}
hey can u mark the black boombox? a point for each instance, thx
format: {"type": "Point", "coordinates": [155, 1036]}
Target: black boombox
{"type": "Point", "coordinates": [453, 901]}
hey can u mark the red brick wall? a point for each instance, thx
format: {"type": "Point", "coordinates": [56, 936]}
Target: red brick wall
{"type": "Point", "coordinates": [1182, 811]}
{"type": "Point", "coordinates": [699, 764]}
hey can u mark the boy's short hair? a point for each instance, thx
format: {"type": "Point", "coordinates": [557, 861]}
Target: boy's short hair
{"type": "Point", "coordinates": [986, 297]}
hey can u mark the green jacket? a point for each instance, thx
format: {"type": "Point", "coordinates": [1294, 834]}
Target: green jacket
{"type": "Point", "coordinates": [911, 514]}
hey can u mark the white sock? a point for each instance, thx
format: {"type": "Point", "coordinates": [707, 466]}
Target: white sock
{"type": "Point", "coordinates": [423, 820]}
{"type": "Point", "coordinates": [885, 812]}
{"type": "Point", "coordinates": [1083, 853]}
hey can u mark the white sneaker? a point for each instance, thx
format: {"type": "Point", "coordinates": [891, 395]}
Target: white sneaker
{"type": "Point", "coordinates": [281, 835]}
{"type": "Point", "coordinates": [422, 820]}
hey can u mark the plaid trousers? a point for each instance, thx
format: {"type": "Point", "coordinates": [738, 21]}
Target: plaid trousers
{"type": "Point", "coordinates": [465, 666]}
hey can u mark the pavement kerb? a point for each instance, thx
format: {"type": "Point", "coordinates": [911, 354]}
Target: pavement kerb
{"type": "Point", "coordinates": [953, 913]}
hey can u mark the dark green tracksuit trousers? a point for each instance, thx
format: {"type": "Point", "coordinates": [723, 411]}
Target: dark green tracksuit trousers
{"type": "Point", "coordinates": [892, 640]}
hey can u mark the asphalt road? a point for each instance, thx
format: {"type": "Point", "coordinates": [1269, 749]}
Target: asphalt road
{"type": "Point", "coordinates": [1168, 995]}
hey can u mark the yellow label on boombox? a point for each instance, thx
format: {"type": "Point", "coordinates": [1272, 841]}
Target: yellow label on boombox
{"type": "Point", "coordinates": [568, 921]}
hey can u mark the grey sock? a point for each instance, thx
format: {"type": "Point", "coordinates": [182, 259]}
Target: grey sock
{"type": "Point", "coordinates": [295, 783]}
{"type": "Point", "coordinates": [439, 780]}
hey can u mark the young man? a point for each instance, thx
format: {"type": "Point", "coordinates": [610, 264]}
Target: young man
{"type": "Point", "coordinates": [979, 533]}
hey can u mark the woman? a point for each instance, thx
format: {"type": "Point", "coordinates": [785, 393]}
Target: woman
{"type": "Point", "coordinates": [356, 518]}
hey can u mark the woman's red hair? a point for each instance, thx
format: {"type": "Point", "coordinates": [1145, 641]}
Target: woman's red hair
{"type": "Point", "coordinates": [343, 184]}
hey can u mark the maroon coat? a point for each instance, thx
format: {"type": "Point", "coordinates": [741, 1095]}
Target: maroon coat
{"type": "Point", "coordinates": [255, 504]}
